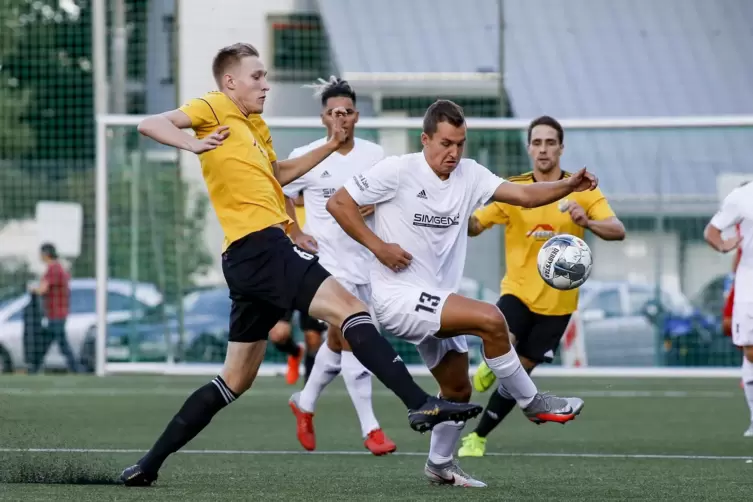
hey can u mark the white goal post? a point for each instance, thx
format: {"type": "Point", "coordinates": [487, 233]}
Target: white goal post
{"type": "Point", "coordinates": [105, 122]}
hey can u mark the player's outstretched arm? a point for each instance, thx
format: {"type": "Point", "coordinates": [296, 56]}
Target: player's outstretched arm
{"type": "Point", "coordinates": [291, 169]}
{"type": "Point", "coordinates": [344, 209]}
{"type": "Point", "coordinates": [167, 128]}
{"type": "Point", "coordinates": [543, 193]}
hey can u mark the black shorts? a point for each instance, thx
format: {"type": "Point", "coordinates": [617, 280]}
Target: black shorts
{"type": "Point", "coordinates": [267, 275]}
{"type": "Point", "coordinates": [537, 336]}
{"type": "Point", "coordinates": [306, 322]}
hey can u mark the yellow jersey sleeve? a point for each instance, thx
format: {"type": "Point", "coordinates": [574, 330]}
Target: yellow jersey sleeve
{"type": "Point", "coordinates": [492, 214]}
{"type": "Point", "coordinates": [201, 114]}
{"type": "Point", "coordinates": [264, 136]}
{"type": "Point", "coordinates": [597, 207]}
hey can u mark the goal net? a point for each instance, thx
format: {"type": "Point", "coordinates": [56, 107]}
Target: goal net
{"type": "Point", "coordinates": [651, 306]}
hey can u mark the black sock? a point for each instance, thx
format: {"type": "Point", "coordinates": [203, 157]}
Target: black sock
{"type": "Point", "coordinates": [308, 364]}
{"type": "Point", "coordinates": [289, 347]}
{"type": "Point", "coordinates": [380, 358]}
{"type": "Point", "coordinates": [496, 411]}
{"type": "Point", "coordinates": [195, 414]}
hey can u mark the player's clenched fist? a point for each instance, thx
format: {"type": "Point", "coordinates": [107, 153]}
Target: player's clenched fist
{"type": "Point", "coordinates": [583, 180]}
{"type": "Point", "coordinates": [393, 257]}
{"type": "Point", "coordinates": [339, 133]}
{"type": "Point", "coordinates": [211, 141]}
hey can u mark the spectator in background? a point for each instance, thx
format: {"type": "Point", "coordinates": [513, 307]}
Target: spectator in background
{"type": "Point", "coordinates": [56, 294]}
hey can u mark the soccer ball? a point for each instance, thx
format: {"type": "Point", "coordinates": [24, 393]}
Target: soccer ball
{"type": "Point", "coordinates": [565, 262]}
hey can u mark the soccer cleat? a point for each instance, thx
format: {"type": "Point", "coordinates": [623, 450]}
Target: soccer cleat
{"type": "Point", "coordinates": [435, 411]}
{"type": "Point", "coordinates": [473, 446]}
{"type": "Point", "coordinates": [450, 474]}
{"type": "Point", "coordinates": [294, 367]}
{"type": "Point", "coordinates": [749, 433]}
{"type": "Point", "coordinates": [304, 424]}
{"type": "Point", "coordinates": [135, 476]}
{"type": "Point", "coordinates": [483, 379]}
{"type": "Point", "coordinates": [549, 408]}
{"type": "Point", "coordinates": [378, 443]}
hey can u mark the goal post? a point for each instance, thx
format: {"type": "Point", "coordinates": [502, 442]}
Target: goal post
{"type": "Point", "coordinates": [151, 223]}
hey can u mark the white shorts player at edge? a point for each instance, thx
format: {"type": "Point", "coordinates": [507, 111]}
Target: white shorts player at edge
{"type": "Point", "coordinates": [428, 217]}
{"type": "Point", "coordinates": [737, 209]}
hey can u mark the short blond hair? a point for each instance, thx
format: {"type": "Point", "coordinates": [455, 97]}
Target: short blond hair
{"type": "Point", "coordinates": [230, 56]}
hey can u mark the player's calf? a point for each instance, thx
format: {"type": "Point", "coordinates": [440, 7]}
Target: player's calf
{"type": "Point", "coordinates": [239, 371]}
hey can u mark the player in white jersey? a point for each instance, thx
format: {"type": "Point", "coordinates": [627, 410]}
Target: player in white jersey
{"type": "Point", "coordinates": [737, 209]}
{"type": "Point", "coordinates": [347, 260]}
{"type": "Point", "coordinates": [423, 202]}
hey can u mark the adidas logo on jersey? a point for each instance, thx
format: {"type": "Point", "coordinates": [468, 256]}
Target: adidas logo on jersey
{"type": "Point", "coordinates": [325, 174]}
{"type": "Point", "coordinates": [422, 194]}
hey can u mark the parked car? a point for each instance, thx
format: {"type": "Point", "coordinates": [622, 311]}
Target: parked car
{"type": "Point", "coordinates": [625, 326]}
{"type": "Point", "coordinates": [123, 301]}
{"type": "Point", "coordinates": [145, 339]}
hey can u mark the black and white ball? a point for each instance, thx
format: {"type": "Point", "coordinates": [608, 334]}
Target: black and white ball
{"type": "Point", "coordinates": [565, 262]}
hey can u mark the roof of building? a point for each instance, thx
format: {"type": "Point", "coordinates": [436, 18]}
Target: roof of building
{"type": "Point", "coordinates": [574, 59]}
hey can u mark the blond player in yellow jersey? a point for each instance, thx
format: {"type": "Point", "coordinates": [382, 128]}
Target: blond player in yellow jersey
{"type": "Point", "coordinates": [536, 313]}
{"type": "Point", "coordinates": [267, 274]}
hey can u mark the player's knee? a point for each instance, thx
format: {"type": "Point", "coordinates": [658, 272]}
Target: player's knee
{"type": "Point", "coordinates": [349, 305]}
{"type": "Point", "coordinates": [492, 324]}
{"type": "Point", "coordinates": [459, 392]}
{"type": "Point", "coordinates": [280, 332]}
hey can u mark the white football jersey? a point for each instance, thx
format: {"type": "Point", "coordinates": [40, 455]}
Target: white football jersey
{"type": "Point", "coordinates": [426, 216]}
{"type": "Point", "coordinates": [737, 208]}
{"type": "Point", "coordinates": [338, 253]}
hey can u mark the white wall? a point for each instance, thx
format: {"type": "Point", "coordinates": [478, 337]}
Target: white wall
{"type": "Point", "coordinates": [205, 27]}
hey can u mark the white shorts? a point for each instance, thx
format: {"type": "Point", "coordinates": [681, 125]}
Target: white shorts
{"type": "Point", "coordinates": [414, 314]}
{"type": "Point", "coordinates": [360, 291]}
{"type": "Point", "coordinates": [742, 324]}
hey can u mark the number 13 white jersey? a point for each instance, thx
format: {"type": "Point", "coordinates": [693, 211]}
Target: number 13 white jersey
{"type": "Point", "coordinates": [426, 216]}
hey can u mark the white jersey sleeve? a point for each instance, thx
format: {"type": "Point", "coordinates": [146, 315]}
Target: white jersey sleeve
{"type": "Point", "coordinates": [730, 212]}
{"type": "Point", "coordinates": [486, 183]}
{"type": "Point", "coordinates": [296, 186]}
{"type": "Point", "coordinates": [377, 184]}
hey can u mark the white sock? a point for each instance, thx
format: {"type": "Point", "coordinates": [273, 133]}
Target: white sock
{"type": "Point", "coordinates": [748, 385]}
{"type": "Point", "coordinates": [326, 368]}
{"type": "Point", "coordinates": [513, 377]}
{"type": "Point", "coordinates": [444, 439]}
{"type": "Point", "coordinates": [358, 382]}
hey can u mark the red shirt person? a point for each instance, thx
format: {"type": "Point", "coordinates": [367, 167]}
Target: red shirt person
{"type": "Point", "coordinates": [55, 290]}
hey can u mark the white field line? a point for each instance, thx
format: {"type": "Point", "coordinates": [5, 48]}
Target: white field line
{"type": "Point", "coordinates": [166, 391]}
{"type": "Point", "coordinates": [627, 456]}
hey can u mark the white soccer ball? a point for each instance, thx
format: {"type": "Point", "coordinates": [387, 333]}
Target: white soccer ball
{"type": "Point", "coordinates": [565, 262]}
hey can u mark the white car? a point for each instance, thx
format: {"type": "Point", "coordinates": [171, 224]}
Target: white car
{"type": "Point", "coordinates": [81, 317]}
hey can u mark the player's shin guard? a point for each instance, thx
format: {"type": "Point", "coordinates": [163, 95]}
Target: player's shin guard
{"type": "Point", "coordinates": [513, 377]}
{"type": "Point", "coordinates": [326, 368]}
{"type": "Point", "coordinates": [380, 358]}
{"type": "Point", "coordinates": [444, 439]}
{"type": "Point", "coordinates": [194, 416]}
{"type": "Point", "coordinates": [358, 382]}
{"type": "Point", "coordinates": [500, 405]}
{"type": "Point", "coordinates": [748, 385]}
